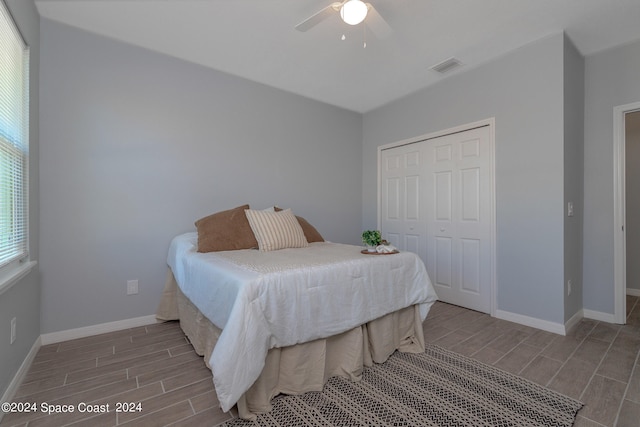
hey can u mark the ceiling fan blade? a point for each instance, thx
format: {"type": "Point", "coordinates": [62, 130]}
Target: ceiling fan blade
{"type": "Point", "coordinates": [377, 24]}
{"type": "Point", "coordinates": [316, 18]}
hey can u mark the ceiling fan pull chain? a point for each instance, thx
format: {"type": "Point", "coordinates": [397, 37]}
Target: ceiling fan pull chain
{"type": "Point", "coordinates": [364, 35]}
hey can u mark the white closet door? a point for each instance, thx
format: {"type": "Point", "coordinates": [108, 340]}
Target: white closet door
{"type": "Point", "coordinates": [403, 218]}
{"type": "Point", "coordinates": [436, 200]}
{"type": "Point", "coordinates": [458, 175]}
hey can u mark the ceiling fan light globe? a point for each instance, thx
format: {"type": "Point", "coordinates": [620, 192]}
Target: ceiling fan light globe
{"type": "Point", "coordinates": [353, 12]}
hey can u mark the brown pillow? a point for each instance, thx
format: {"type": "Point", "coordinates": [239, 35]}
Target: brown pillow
{"type": "Point", "coordinates": [309, 230]}
{"type": "Point", "coordinates": [225, 231]}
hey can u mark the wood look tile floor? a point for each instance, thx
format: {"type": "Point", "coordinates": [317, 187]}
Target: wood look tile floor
{"type": "Point", "coordinates": [156, 367]}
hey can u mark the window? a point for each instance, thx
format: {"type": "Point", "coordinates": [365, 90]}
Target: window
{"type": "Point", "coordinates": [14, 141]}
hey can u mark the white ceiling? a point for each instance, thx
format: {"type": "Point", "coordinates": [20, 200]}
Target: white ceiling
{"type": "Point", "coordinates": [256, 39]}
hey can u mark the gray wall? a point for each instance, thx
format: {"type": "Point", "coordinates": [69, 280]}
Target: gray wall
{"type": "Point", "coordinates": [632, 198]}
{"type": "Point", "coordinates": [22, 301]}
{"type": "Point", "coordinates": [573, 175]}
{"type": "Point", "coordinates": [524, 92]}
{"type": "Point", "coordinates": [137, 146]}
{"type": "Point", "coordinates": [611, 79]}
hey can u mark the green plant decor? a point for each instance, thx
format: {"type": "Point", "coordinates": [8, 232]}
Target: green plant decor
{"type": "Point", "coordinates": [371, 237]}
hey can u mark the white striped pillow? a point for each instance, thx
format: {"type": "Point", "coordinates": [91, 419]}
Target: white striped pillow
{"type": "Point", "coordinates": [276, 230]}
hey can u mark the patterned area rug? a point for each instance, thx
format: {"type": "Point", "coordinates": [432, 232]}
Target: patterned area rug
{"type": "Point", "coordinates": [435, 388]}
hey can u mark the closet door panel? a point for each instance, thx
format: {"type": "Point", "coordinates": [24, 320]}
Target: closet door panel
{"type": "Point", "coordinates": [402, 210]}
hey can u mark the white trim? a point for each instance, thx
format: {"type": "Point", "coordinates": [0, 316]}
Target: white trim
{"type": "Point", "coordinates": [633, 292]}
{"type": "Point", "coordinates": [456, 129]}
{"type": "Point", "coordinates": [545, 325]}
{"type": "Point", "coordinates": [15, 275]}
{"type": "Point", "coordinates": [600, 316]}
{"type": "Point", "coordinates": [492, 237]}
{"type": "Point", "coordinates": [619, 235]}
{"type": "Point", "coordinates": [87, 331]}
{"type": "Point", "coordinates": [573, 322]}
{"type": "Point", "coordinates": [19, 376]}
{"type": "Point", "coordinates": [491, 122]}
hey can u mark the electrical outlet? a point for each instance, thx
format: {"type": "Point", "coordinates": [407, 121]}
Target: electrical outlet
{"type": "Point", "coordinates": [13, 330]}
{"type": "Point", "coordinates": [570, 209]}
{"type": "Point", "coordinates": [568, 287]}
{"type": "Point", "coordinates": [132, 287]}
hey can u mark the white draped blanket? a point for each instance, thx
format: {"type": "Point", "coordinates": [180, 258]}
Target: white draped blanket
{"type": "Point", "coordinates": [263, 300]}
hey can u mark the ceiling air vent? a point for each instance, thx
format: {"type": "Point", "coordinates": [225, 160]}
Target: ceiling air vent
{"type": "Point", "coordinates": [446, 65]}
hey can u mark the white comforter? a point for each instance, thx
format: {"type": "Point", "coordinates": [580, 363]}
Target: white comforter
{"type": "Point", "coordinates": [262, 300]}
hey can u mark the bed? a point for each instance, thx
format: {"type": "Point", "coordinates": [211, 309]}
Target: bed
{"type": "Point", "coordinates": [284, 321]}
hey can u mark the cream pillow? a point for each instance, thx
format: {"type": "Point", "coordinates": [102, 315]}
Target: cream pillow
{"type": "Point", "coordinates": [276, 230]}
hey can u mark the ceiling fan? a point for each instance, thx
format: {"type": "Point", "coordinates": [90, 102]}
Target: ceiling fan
{"type": "Point", "coordinates": [351, 12]}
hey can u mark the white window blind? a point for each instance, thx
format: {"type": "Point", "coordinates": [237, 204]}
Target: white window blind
{"type": "Point", "coordinates": [14, 140]}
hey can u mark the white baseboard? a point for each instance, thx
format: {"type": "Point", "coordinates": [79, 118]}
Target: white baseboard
{"type": "Point", "coordinates": [633, 292]}
{"type": "Point", "coordinates": [598, 315]}
{"type": "Point", "coordinates": [87, 331]}
{"type": "Point", "coordinates": [545, 325]}
{"type": "Point", "coordinates": [573, 321]}
{"type": "Point", "coordinates": [19, 376]}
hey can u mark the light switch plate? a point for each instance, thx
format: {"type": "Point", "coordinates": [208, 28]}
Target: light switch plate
{"type": "Point", "coordinates": [132, 287]}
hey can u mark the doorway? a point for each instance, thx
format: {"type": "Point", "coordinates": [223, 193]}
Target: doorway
{"type": "Point", "coordinates": [632, 201]}
{"type": "Point", "coordinates": [625, 117]}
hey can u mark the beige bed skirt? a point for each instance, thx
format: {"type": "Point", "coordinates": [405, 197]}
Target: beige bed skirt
{"type": "Point", "coordinates": [303, 367]}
